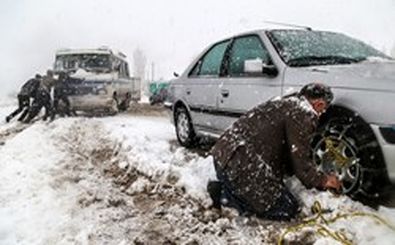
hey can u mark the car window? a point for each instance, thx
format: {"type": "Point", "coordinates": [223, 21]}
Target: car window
{"type": "Point", "coordinates": [246, 48]}
{"type": "Point", "coordinates": [308, 48]}
{"type": "Point", "coordinates": [211, 62]}
{"type": "Point", "coordinates": [117, 65]}
{"type": "Point", "coordinates": [195, 70]}
{"type": "Point", "coordinates": [124, 70]}
{"type": "Point", "coordinates": [127, 70]}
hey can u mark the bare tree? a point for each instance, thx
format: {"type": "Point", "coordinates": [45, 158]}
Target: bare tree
{"type": "Point", "coordinates": [139, 65]}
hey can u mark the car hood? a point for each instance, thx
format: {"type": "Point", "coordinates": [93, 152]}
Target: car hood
{"type": "Point", "coordinates": [370, 75]}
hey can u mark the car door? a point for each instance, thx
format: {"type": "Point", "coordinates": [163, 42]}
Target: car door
{"type": "Point", "coordinates": [203, 85]}
{"type": "Point", "coordinates": [244, 90]}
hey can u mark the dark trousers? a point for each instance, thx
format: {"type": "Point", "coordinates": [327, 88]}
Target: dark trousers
{"type": "Point", "coordinates": [42, 99]}
{"type": "Point", "coordinates": [61, 96]}
{"type": "Point", "coordinates": [285, 208]}
{"type": "Point", "coordinates": [23, 105]}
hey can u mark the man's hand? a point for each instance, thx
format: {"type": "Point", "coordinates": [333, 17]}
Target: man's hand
{"type": "Point", "coordinates": [332, 182]}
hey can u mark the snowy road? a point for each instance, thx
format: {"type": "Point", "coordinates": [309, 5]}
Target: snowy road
{"type": "Point", "coordinates": [124, 180]}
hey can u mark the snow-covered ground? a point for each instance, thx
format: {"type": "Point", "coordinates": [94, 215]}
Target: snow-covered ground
{"type": "Point", "coordinates": [125, 180]}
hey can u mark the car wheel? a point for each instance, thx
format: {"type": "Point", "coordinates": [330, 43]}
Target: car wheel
{"type": "Point", "coordinates": [346, 147]}
{"type": "Point", "coordinates": [125, 103]}
{"type": "Point", "coordinates": [184, 130]}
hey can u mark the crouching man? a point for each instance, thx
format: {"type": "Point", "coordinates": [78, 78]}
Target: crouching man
{"type": "Point", "coordinates": [41, 99]}
{"type": "Point", "coordinates": [28, 91]}
{"type": "Point", "coordinates": [271, 140]}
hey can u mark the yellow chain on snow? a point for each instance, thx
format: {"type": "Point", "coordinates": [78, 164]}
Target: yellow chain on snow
{"type": "Point", "coordinates": [319, 221]}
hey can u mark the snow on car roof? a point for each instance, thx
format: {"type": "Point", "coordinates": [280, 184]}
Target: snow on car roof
{"type": "Point", "coordinates": [260, 31]}
{"type": "Point", "coordinates": [82, 51]}
{"type": "Point", "coordinates": [91, 51]}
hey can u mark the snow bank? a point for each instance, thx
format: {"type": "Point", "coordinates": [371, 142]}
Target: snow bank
{"type": "Point", "coordinates": [361, 230]}
{"type": "Point", "coordinates": [149, 139]}
{"type": "Point", "coordinates": [154, 152]}
{"type": "Point", "coordinates": [125, 180]}
{"type": "Point", "coordinates": [29, 206]}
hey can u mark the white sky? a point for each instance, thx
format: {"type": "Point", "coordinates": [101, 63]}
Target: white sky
{"type": "Point", "coordinates": [170, 32]}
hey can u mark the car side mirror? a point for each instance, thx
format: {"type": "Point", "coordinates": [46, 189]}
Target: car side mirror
{"type": "Point", "coordinates": [256, 66]}
{"type": "Point", "coordinates": [253, 66]}
{"type": "Point", "coordinates": [270, 70]}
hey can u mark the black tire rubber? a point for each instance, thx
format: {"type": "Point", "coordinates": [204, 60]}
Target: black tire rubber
{"type": "Point", "coordinates": [189, 139]}
{"type": "Point", "coordinates": [358, 138]}
{"type": "Point", "coordinates": [125, 103]}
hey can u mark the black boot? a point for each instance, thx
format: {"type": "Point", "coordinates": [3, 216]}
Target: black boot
{"type": "Point", "coordinates": [214, 188]}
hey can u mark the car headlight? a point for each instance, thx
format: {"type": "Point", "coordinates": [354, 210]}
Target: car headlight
{"type": "Point", "coordinates": [170, 94]}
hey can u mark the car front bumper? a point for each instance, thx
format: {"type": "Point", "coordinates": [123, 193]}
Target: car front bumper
{"type": "Point", "coordinates": [169, 105]}
{"type": "Point", "coordinates": [387, 148]}
{"type": "Point", "coordinates": [91, 102]}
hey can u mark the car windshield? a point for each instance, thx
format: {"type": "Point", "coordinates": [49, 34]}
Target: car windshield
{"type": "Point", "coordinates": [306, 48]}
{"type": "Point", "coordinates": [88, 62]}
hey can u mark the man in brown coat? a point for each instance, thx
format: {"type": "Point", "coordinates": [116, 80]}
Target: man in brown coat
{"type": "Point", "coordinates": [271, 140]}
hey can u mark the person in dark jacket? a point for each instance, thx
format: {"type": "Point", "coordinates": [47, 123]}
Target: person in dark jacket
{"type": "Point", "coordinates": [48, 81]}
{"type": "Point", "coordinates": [268, 142]}
{"type": "Point", "coordinates": [41, 99]}
{"type": "Point", "coordinates": [61, 92]}
{"type": "Point", "coordinates": [28, 91]}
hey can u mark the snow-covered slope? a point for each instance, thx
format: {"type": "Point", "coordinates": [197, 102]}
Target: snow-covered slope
{"type": "Point", "coordinates": [125, 180]}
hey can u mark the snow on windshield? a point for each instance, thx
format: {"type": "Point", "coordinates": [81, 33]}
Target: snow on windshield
{"type": "Point", "coordinates": [300, 47]}
{"type": "Point", "coordinates": [85, 61]}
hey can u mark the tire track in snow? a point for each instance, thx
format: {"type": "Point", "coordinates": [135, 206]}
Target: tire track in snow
{"type": "Point", "coordinates": [126, 205]}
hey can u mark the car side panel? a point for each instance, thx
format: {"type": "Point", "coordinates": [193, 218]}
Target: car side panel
{"type": "Point", "coordinates": [243, 95]}
{"type": "Point", "coordinates": [199, 93]}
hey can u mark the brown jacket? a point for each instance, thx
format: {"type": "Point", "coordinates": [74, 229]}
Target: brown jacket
{"type": "Point", "coordinates": [258, 149]}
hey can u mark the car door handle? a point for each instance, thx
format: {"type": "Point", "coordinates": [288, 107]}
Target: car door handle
{"type": "Point", "coordinates": [224, 93]}
{"type": "Point", "coordinates": [188, 92]}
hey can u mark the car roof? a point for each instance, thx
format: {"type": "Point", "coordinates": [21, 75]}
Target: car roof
{"type": "Point", "coordinates": [262, 31]}
{"type": "Point", "coordinates": [82, 51]}
{"type": "Point", "coordinates": [91, 51]}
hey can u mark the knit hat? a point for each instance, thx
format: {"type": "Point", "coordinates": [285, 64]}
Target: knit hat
{"type": "Point", "coordinates": [317, 91]}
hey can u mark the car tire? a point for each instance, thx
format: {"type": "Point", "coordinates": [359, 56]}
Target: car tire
{"type": "Point", "coordinates": [184, 130]}
{"type": "Point", "coordinates": [125, 103]}
{"type": "Point", "coordinates": [347, 147]}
